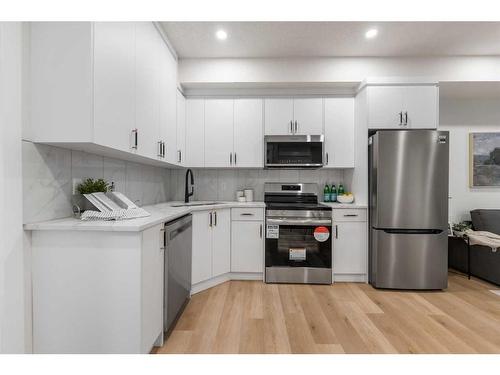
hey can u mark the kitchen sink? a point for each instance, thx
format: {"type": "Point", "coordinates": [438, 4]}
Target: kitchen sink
{"type": "Point", "coordinates": [195, 204]}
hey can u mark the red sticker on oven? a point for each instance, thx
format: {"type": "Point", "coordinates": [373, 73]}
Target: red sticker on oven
{"type": "Point", "coordinates": [321, 234]}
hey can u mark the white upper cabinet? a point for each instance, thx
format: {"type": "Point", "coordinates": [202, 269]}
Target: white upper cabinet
{"type": "Point", "coordinates": [195, 133]}
{"type": "Point", "coordinates": [61, 82]}
{"type": "Point", "coordinates": [308, 116]}
{"type": "Point", "coordinates": [421, 106]}
{"type": "Point", "coordinates": [279, 116]}
{"type": "Point", "coordinates": [339, 133]}
{"type": "Point", "coordinates": [248, 133]}
{"type": "Point", "coordinates": [147, 105]}
{"type": "Point", "coordinates": [399, 107]}
{"type": "Point", "coordinates": [293, 116]}
{"type": "Point", "coordinates": [219, 132]}
{"type": "Point", "coordinates": [181, 128]}
{"type": "Point", "coordinates": [114, 83]}
{"type": "Point", "coordinates": [224, 133]}
{"type": "Point", "coordinates": [168, 103]}
{"type": "Point", "coordinates": [385, 106]}
{"type": "Point", "coordinates": [108, 87]}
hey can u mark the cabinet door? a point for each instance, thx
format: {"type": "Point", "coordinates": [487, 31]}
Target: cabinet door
{"type": "Point", "coordinates": [350, 248]}
{"type": "Point", "coordinates": [384, 106]}
{"type": "Point", "coordinates": [308, 116]}
{"type": "Point", "coordinates": [339, 133]}
{"type": "Point", "coordinates": [147, 89]}
{"type": "Point", "coordinates": [221, 242]}
{"type": "Point", "coordinates": [247, 246]}
{"type": "Point", "coordinates": [219, 132]}
{"type": "Point", "coordinates": [278, 116]}
{"type": "Point", "coordinates": [202, 247]}
{"type": "Point", "coordinates": [195, 133]}
{"type": "Point", "coordinates": [152, 263]}
{"type": "Point", "coordinates": [168, 101]}
{"type": "Point", "coordinates": [248, 138]}
{"type": "Point", "coordinates": [181, 128]}
{"type": "Point", "coordinates": [114, 83]}
{"type": "Point", "coordinates": [421, 105]}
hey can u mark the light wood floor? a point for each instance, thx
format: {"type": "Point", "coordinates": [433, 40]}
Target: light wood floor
{"type": "Point", "coordinates": [253, 317]}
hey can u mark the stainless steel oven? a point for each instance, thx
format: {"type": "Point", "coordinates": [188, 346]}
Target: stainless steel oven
{"type": "Point", "coordinates": [298, 235]}
{"type": "Point", "coordinates": [294, 151]}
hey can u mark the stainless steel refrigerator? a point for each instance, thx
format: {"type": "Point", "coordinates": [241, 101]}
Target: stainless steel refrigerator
{"type": "Point", "coordinates": [408, 205]}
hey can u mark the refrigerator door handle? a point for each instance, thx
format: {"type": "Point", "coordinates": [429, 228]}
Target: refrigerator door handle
{"type": "Point", "coordinates": [410, 231]}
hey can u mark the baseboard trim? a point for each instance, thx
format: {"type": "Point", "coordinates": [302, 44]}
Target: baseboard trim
{"type": "Point", "coordinates": [350, 278]}
{"type": "Point", "coordinates": [210, 283]}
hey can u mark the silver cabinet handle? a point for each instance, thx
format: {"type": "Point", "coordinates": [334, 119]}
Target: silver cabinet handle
{"type": "Point", "coordinates": [291, 127]}
{"type": "Point", "coordinates": [235, 158]}
{"type": "Point", "coordinates": [327, 158]}
{"type": "Point", "coordinates": [260, 230]}
{"type": "Point", "coordinates": [210, 219]}
{"type": "Point", "coordinates": [406, 118]}
{"type": "Point", "coordinates": [160, 149]}
{"type": "Point", "coordinates": [231, 158]}
{"type": "Point", "coordinates": [336, 231]}
{"type": "Point", "coordinates": [296, 127]}
{"type": "Point", "coordinates": [350, 215]}
{"type": "Point", "coordinates": [136, 139]}
{"type": "Point", "coordinates": [164, 149]}
{"type": "Point", "coordinates": [163, 239]}
{"type": "Point", "coordinates": [179, 156]}
{"type": "Point", "coordinates": [400, 118]}
{"type": "Point", "coordinates": [215, 214]}
{"type": "Point", "coordinates": [246, 214]}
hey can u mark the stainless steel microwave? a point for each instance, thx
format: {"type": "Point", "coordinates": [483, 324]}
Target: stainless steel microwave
{"type": "Point", "coordinates": [294, 151]}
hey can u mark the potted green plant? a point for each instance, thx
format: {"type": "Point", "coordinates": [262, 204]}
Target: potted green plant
{"type": "Point", "coordinates": [460, 228]}
{"type": "Point", "coordinates": [89, 186]}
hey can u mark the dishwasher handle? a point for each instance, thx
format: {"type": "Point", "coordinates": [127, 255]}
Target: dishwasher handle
{"type": "Point", "coordinates": [174, 228]}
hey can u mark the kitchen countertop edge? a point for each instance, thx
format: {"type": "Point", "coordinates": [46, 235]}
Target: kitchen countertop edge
{"type": "Point", "coordinates": [160, 213]}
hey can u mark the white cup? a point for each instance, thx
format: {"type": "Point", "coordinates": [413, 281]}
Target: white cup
{"type": "Point", "coordinates": [249, 195]}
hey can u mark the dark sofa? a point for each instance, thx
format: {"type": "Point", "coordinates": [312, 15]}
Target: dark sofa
{"type": "Point", "coordinates": [484, 263]}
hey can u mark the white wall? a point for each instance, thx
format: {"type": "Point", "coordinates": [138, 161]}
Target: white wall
{"type": "Point", "coordinates": [12, 283]}
{"type": "Point", "coordinates": [461, 116]}
{"type": "Point", "coordinates": [340, 69]}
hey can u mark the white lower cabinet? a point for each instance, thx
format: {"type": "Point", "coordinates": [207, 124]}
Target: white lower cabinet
{"type": "Point", "coordinates": [247, 246]}
{"type": "Point", "coordinates": [350, 246]}
{"type": "Point", "coordinates": [221, 242]}
{"type": "Point", "coordinates": [211, 254]}
{"type": "Point", "coordinates": [97, 292]}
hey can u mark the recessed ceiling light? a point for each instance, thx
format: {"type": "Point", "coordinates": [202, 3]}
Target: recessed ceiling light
{"type": "Point", "coordinates": [221, 35]}
{"type": "Point", "coordinates": [370, 34]}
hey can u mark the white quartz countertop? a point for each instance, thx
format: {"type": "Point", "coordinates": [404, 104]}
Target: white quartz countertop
{"type": "Point", "coordinates": [160, 213]}
{"type": "Point", "coordinates": [344, 205]}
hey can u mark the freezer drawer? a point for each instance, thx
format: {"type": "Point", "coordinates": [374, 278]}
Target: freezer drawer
{"type": "Point", "coordinates": [408, 260]}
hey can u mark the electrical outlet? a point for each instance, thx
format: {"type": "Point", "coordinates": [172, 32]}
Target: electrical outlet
{"type": "Point", "coordinates": [76, 182]}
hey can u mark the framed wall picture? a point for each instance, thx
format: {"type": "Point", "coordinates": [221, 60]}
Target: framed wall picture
{"type": "Point", "coordinates": [484, 159]}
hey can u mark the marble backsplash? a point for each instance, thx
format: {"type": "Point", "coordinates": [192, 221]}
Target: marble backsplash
{"type": "Point", "coordinates": [48, 174]}
{"type": "Point", "coordinates": [222, 184]}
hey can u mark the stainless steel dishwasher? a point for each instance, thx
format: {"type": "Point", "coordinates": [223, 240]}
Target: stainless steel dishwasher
{"type": "Point", "coordinates": [178, 241]}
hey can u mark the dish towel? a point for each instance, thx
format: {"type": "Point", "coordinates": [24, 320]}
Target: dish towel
{"type": "Point", "coordinates": [488, 239]}
{"type": "Point", "coordinates": [131, 213]}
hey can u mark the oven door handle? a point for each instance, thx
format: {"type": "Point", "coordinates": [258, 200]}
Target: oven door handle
{"type": "Point", "coordinates": [288, 221]}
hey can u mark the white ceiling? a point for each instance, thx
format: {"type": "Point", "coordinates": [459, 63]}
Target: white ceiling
{"type": "Point", "coordinates": [322, 39]}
